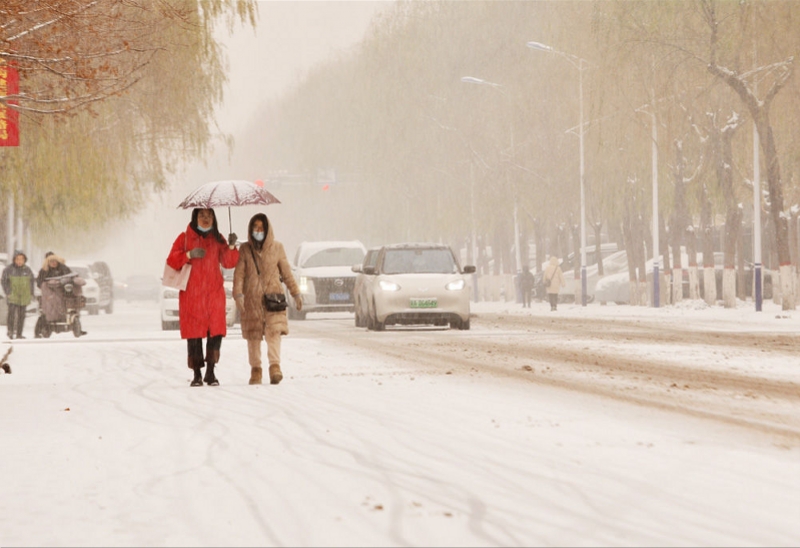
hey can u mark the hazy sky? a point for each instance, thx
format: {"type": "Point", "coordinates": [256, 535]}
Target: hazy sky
{"type": "Point", "coordinates": [290, 38]}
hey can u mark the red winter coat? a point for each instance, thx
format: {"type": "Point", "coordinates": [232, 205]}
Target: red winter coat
{"type": "Point", "coordinates": [202, 305]}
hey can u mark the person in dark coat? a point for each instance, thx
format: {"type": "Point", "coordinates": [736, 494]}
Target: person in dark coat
{"type": "Point", "coordinates": [202, 304]}
{"type": "Point", "coordinates": [53, 304]}
{"type": "Point", "coordinates": [526, 283]}
{"type": "Point", "coordinates": [263, 268]}
{"type": "Point", "coordinates": [17, 280]}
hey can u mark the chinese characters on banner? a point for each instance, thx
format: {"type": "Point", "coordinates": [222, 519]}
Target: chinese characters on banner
{"type": "Point", "coordinates": [9, 118]}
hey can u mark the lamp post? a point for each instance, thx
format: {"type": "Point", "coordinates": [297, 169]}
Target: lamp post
{"type": "Point", "coordinates": [580, 64]}
{"type": "Point", "coordinates": [498, 87]}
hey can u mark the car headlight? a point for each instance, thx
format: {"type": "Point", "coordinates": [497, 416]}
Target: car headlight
{"type": "Point", "coordinates": [303, 284]}
{"type": "Point", "coordinates": [171, 294]}
{"type": "Point", "coordinates": [456, 285]}
{"type": "Point", "coordinates": [389, 286]}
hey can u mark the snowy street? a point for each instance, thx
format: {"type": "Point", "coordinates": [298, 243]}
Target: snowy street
{"type": "Point", "coordinates": [599, 426]}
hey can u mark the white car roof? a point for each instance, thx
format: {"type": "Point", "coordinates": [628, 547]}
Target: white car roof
{"type": "Point", "coordinates": [309, 248]}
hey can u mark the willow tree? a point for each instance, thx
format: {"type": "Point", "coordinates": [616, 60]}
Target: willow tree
{"type": "Point", "coordinates": [114, 96]}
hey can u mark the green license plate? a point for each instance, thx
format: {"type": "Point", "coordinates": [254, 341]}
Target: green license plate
{"type": "Point", "coordinates": [423, 303]}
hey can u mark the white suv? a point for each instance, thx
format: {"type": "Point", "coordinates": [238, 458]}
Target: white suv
{"type": "Point", "coordinates": [323, 271]}
{"type": "Point", "coordinates": [95, 298]}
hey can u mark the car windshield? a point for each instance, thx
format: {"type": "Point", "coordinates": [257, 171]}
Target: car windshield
{"type": "Point", "coordinates": [335, 256]}
{"type": "Point", "coordinates": [418, 261]}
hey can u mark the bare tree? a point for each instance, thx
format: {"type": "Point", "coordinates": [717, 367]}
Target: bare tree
{"type": "Point", "coordinates": [781, 72]}
{"type": "Point", "coordinates": [72, 53]}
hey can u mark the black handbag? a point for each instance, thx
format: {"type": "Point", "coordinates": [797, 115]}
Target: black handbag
{"type": "Point", "coordinates": [275, 302]}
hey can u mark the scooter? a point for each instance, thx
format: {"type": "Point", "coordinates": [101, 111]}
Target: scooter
{"type": "Point", "coordinates": [62, 302]}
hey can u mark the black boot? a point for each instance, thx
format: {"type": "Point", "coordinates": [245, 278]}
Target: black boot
{"type": "Point", "coordinates": [210, 379]}
{"type": "Point", "coordinates": [198, 377]}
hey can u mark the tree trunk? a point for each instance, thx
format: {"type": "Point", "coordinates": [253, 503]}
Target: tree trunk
{"type": "Point", "coordinates": [759, 110]}
{"type": "Point", "coordinates": [691, 251]}
{"type": "Point", "coordinates": [575, 230]}
{"type": "Point", "coordinates": [721, 139]}
{"type": "Point", "coordinates": [627, 238]}
{"type": "Point", "coordinates": [707, 232]}
{"type": "Point", "coordinates": [665, 275]}
{"type": "Point", "coordinates": [540, 229]}
{"type": "Point", "coordinates": [598, 246]}
{"type": "Point", "coordinates": [642, 298]}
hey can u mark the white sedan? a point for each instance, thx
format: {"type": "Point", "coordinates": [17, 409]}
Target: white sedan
{"type": "Point", "coordinates": [417, 284]}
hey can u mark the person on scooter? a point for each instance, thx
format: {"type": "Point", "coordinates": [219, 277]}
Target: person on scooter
{"type": "Point", "coordinates": [53, 267]}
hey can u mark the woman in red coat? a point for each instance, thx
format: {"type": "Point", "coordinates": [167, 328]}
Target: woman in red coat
{"type": "Point", "coordinates": [202, 304]}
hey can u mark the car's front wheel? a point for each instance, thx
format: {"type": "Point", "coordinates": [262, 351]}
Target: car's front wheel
{"type": "Point", "coordinates": [358, 321]}
{"type": "Point", "coordinates": [76, 327]}
{"type": "Point", "coordinates": [373, 324]}
{"type": "Point", "coordinates": [460, 324]}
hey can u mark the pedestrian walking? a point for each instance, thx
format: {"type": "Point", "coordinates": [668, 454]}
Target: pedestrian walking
{"type": "Point", "coordinates": [526, 283]}
{"type": "Point", "coordinates": [258, 289]}
{"type": "Point", "coordinates": [202, 303]}
{"type": "Point", "coordinates": [553, 281]}
{"type": "Point", "coordinates": [17, 281]}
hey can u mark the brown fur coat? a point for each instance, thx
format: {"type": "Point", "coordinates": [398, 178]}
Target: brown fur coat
{"type": "Point", "coordinates": [275, 272]}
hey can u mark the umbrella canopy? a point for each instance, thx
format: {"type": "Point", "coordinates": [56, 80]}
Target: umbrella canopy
{"type": "Point", "coordinates": [228, 193]}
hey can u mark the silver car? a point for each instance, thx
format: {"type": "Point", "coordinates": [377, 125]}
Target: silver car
{"type": "Point", "coordinates": [323, 272]}
{"type": "Point", "coordinates": [417, 284]}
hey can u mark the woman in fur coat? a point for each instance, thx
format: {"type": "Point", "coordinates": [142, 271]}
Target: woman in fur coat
{"type": "Point", "coordinates": [263, 268]}
{"type": "Point", "coordinates": [202, 304]}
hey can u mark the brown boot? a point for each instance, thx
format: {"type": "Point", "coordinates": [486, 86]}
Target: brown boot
{"type": "Point", "coordinates": [255, 375]}
{"type": "Point", "coordinates": [275, 375]}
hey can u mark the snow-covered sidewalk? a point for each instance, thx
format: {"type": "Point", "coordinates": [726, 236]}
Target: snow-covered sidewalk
{"type": "Point", "coordinates": [104, 444]}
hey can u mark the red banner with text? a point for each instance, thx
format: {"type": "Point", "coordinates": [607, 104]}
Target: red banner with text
{"type": "Point", "coordinates": [9, 118]}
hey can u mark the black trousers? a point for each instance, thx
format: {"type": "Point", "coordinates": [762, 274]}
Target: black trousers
{"type": "Point", "coordinates": [526, 297]}
{"type": "Point", "coordinates": [16, 320]}
{"type": "Point", "coordinates": [195, 349]}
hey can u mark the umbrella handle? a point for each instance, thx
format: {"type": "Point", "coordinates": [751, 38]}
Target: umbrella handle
{"type": "Point", "coordinates": [229, 220]}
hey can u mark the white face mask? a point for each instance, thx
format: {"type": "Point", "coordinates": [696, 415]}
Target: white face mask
{"type": "Point", "coordinates": [258, 236]}
{"type": "Point", "coordinates": [201, 229]}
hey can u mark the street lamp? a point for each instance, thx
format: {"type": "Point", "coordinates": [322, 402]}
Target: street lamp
{"type": "Point", "coordinates": [580, 64]}
{"type": "Point", "coordinates": [498, 87]}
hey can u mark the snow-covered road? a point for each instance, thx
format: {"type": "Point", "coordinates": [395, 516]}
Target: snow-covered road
{"type": "Point", "coordinates": [105, 444]}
